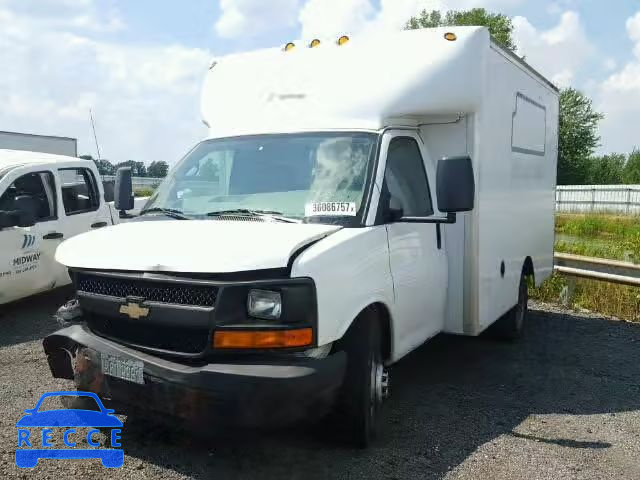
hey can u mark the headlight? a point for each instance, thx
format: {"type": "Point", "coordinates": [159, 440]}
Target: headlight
{"type": "Point", "coordinates": [264, 304]}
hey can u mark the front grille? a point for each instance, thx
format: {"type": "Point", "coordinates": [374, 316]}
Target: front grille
{"type": "Point", "coordinates": [173, 339]}
{"type": "Point", "coordinates": [173, 293]}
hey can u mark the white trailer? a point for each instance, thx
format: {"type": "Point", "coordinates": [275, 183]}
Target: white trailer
{"type": "Point", "coordinates": [39, 143]}
{"type": "Point", "coordinates": [350, 202]}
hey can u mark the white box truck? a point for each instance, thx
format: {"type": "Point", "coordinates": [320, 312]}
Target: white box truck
{"type": "Point", "coordinates": [351, 201]}
{"type": "Point", "coordinates": [39, 143]}
{"type": "Point", "coordinates": [45, 199]}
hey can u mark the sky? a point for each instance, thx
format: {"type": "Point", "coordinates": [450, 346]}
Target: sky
{"type": "Point", "coordinates": [139, 64]}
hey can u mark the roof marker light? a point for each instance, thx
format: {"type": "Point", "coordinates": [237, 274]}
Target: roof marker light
{"type": "Point", "coordinates": [314, 43]}
{"type": "Point", "coordinates": [289, 46]}
{"type": "Point", "coordinates": [343, 40]}
{"type": "Point", "coordinates": [452, 37]}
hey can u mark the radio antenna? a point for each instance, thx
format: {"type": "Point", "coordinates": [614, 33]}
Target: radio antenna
{"type": "Point", "coordinates": [95, 137]}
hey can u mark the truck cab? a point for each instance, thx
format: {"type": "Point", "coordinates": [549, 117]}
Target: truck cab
{"type": "Point", "coordinates": [333, 221]}
{"type": "Point", "coordinates": [44, 199]}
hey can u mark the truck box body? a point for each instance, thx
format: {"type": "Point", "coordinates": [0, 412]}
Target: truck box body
{"type": "Point", "coordinates": [468, 97]}
{"type": "Point", "coordinates": [39, 143]}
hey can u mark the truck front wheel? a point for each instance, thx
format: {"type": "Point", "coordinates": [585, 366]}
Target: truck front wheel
{"type": "Point", "coordinates": [366, 382]}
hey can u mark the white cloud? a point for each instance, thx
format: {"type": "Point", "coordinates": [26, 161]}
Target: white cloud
{"type": "Point", "coordinates": [619, 98]}
{"type": "Point", "coordinates": [251, 18]}
{"type": "Point", "coordinates": [325, 18]}
{"type": "Point", "coordinates": [145, 98]}
{"type": "Point", "coordinates": [394, 14]}
{"type": "Point", "coordinates": [80, 15]}
{"type": "Point", "coordinates": [329, 18]}
{"type": "Point", "coordinates": [563, 78]}
{"type": "Point", "coordinates": [609, 63]}
{"type": "Point", "coordinates": [559, 52]}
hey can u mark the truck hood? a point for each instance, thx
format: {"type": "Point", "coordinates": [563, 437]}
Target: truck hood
{"type": "Point", "coordinates": [197, 246]}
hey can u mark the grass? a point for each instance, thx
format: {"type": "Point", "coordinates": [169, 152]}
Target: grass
{"type": "Point", "coordinates": [144, 192]}
{"type": "Point", "coordinates": [602, 236]}
{"type": "Point", "coordinates": [608, 299]}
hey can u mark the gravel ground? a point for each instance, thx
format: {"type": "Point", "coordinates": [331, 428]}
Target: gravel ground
{"type": "Point", "coordinates": [563, 403]}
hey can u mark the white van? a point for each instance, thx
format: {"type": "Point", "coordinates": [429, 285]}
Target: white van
{"type": "Point", "coordinates": [351, 202]}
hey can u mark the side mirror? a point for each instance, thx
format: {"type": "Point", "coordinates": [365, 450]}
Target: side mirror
{"type": "Point", "coordinates": [26, 210]}
{"type": "Point", "coordinates": [455, 185]}
{"type": "Point", "coordinates": [8, 219]}
{"type": "Point", "coordinates": [123, 190]}
{"type": "Point", "coordinates": [26, 219]}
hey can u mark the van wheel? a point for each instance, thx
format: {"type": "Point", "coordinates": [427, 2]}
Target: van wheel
{"type": "Point", "coordinates": [511, 325]}
{"type": "Point", "coordinates": [366, 382]}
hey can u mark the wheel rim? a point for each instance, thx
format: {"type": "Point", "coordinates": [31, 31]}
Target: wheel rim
{"type": "Point", "coordinates": [379, 385]}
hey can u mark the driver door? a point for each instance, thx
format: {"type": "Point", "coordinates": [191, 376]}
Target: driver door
{"type": "Point", "coordinates": [27, 253]}
{"type": "Point", "coordinates": [416, 250]}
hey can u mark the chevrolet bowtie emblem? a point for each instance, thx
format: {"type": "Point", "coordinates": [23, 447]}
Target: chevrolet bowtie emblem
{"type": "Point", "coordinates": [134, 310]}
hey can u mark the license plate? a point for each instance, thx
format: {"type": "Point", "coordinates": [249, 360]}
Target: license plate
{"type": "Point", "coordinates": [125, 369]}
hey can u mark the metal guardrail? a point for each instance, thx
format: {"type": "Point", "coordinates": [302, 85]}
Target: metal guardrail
{"type": "Point", "coordinates": [612, 271]}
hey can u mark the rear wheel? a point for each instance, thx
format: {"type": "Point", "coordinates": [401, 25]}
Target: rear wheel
{"type": "Point", "coordinates": [366, 382]}
{"type": "Point", "coordinates": [511, 325]}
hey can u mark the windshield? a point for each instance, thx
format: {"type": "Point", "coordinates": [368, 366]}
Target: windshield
{"type": "Point", "coordinates": [314, 177]}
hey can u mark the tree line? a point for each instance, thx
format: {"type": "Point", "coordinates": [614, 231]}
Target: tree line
{"type": "Point", "coordinates": [578, 129]}
{"type": "Point", "coordinates": [139, 169]}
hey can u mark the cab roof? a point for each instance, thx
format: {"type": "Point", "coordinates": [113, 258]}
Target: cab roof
{"type": "Point", "coordinates": [18, 158]}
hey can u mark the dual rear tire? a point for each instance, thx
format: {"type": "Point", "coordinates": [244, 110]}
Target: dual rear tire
{"type": "Point", "coordinates": [511, 325]}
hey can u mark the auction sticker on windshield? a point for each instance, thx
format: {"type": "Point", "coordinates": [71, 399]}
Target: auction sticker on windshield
{"type": "Point", "coordinates": [332, 209]}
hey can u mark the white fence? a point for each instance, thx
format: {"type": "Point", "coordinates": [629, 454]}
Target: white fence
{"type": "Point", "coordinates": [623, 199]}
{"type": "Point", "coordinates": [138, 182]}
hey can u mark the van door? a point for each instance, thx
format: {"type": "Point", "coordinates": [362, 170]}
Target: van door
{"type": "Point", "coordinates": [27, 264]}
{"type": "Point", "coordinates": [82, 208]}
{"type": "Point", "coordinates": [417, 252]}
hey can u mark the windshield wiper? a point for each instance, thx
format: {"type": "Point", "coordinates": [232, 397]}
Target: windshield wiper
{"type": "Point", "coordinates": [169, 212]}
{"type": "Point", "coordinates": [252, 213]}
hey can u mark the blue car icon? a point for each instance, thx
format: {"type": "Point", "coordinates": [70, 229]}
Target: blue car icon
{"type": "Point", "coordinates": [69, 418]}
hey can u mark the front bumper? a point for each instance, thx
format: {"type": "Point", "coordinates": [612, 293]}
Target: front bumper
{"type": "Point", "coordinates": [251, 393]}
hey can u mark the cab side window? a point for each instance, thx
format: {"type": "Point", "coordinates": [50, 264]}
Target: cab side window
{"type": "Point", "coordinates": [39, 191]}
{"type": "Point", "coordinates": [405, 178]}
{"type": "Point", "coordinates": [79, 191]}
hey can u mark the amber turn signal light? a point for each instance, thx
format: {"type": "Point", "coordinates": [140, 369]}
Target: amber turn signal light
{"type": "Point", "coordinates": [240, 339]}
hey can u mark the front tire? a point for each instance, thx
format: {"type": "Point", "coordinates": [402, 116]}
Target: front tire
{"type": "Point", "coordinates": [366, 381]}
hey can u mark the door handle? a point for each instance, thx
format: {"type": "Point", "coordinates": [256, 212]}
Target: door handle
{"type": "Point", "coordinates": [53, 236]}
{"type": "Point", "coordinates": [99, 225]}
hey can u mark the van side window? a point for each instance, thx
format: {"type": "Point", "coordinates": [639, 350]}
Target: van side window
{"type": "Point", "coordinates": [40, 187]}
{"type": "Point", "coordinates": [79, 191]}
{"type": "Point", "coordinates": [405, 178]}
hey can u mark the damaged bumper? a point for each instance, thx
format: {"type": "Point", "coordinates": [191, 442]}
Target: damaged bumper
{"type": "Point", "coordinates": [240, 393]}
